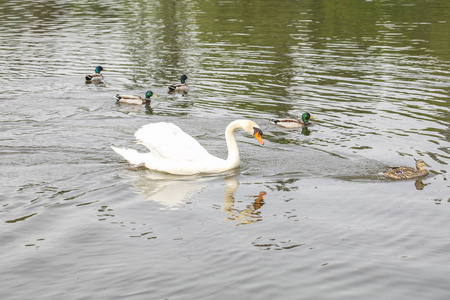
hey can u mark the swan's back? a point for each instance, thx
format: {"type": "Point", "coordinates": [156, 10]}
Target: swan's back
{"type": "Point", "coordinates": [168, 141]}
{"type": "Point", "coordinates": [173, 151]}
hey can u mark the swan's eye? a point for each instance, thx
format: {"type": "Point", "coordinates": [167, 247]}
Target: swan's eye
{"type": "Point", "coordinates": [257, 130]}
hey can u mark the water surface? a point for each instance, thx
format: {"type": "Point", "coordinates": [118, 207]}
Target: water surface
{"type": "Point", "coordinates": [307, 216]}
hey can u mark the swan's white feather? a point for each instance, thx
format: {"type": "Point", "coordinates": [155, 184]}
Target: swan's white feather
{"type": "Point", "coordinates": [132, 155]}
{"type": "Point", "coordinates": [168, 141]}
{"type": "Point", "coordinates": [173, 151]}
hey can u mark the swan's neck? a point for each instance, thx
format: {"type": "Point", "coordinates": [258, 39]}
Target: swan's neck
{"type": "Point", "coordinates": [233, 152]}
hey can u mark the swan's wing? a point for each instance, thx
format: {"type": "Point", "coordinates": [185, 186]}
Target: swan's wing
{"type": "Point", "coordinates": [168, 141]}
{"type": "Point", "coordinates": [132, 155]}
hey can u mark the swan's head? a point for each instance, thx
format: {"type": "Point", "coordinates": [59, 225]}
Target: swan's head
{"type": "Point", "coordinates": [183, 78]}
{"type": "Point", "coordinates": [98, 69]}
{"type": "Point", "coordinates": [247, 125]}
{"type": "Point", "coordinates": [253, 128]}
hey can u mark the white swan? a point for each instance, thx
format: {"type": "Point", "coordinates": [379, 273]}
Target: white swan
{"type": "Point", "coordinates": [175, 152]}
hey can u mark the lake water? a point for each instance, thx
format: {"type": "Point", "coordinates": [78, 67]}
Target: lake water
{"type": "Point", "coordinates": [306, 216]}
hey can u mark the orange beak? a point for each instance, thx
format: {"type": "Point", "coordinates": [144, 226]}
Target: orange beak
{"type": "Point", "coordinates": [257, 135]}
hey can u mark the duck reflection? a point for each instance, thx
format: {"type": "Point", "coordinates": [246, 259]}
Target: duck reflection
{"type": "Point", "coordinates": [249, 214]}
{"type": "Point", "coordinates": [305, 131]}
{"type": "Point", "coordinates": [172, 191]}
{"type": "Point", "coordinates": [420, 185]}
{"type": "Point", "coordinates": [148, 109]}
{"type": "Point", "coordinates": [178, 92]}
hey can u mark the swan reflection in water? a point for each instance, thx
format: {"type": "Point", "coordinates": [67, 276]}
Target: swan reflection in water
{"type": "Point", "coordinates": [172, 191]}
{"type": "Point", "coordinates": [249, 214]}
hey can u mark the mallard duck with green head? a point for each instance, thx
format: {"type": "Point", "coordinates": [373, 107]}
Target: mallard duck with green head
{"type": "Point", "coordinates": [294, 123]}
{"type": "Point", "coordinates": [135, 99]}
{"type": "Point", "coordinates": [96, 76]}
{"type": "Point", "coordinates": [408, 172]}
{"type": "Point", "coordinates": [180, 87]}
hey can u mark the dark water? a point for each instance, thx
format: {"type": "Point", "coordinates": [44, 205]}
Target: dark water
{"type": "Point", "coordinates": [307, 216]}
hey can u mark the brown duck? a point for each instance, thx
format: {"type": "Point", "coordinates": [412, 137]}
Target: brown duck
{"type": "Point", "coordinates": [408, 172]}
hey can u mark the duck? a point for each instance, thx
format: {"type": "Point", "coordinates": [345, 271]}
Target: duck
{"type": "Point", "coordinates": [408, 172]}
{"type": "Point", "coordinates": [96, 76]}
{"type": "Point", "coordinates": [135, 99]}
{"type": "Point", "coordinates": [181, 87]}
{"type": "Point", "coordinates": [175, 152]}
{"type": "Point", "coordinates": [294, 123]}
